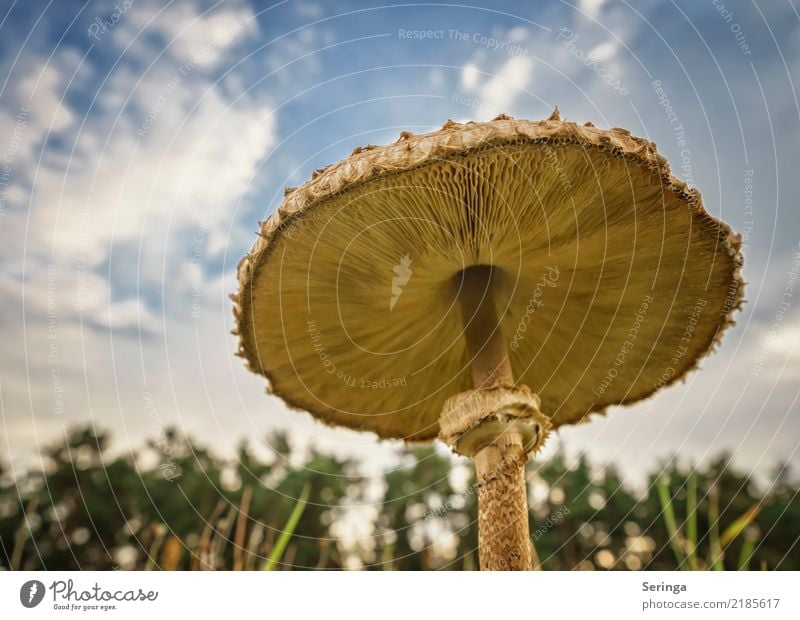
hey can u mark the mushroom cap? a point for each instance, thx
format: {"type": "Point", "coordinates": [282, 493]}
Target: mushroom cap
{"type": "Point", "coordinates": [610, 279]}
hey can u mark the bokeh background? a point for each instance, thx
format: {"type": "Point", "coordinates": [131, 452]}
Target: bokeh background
{"type": "Point", "coordinates": [141, 143]}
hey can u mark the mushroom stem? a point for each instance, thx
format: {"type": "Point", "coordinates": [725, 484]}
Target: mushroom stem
{"type": "Point", "coordinates": [503, 534]}
{"type": "Point", "coordinates": [490, 363]}
{"type": "Point", "coordinates": [503, 531]}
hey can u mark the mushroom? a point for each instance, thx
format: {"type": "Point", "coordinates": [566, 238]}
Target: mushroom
{"type": "Point", "coordinates": [486, 283]}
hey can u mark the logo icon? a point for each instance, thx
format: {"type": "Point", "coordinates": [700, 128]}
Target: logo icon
{"type": "Point", "coordinates": [402, 274]}
{"type": "Point", "coordinates": [31, 593]}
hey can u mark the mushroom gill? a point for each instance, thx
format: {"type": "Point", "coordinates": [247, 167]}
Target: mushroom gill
{"type": "Point", "coordinates": [609, 280]}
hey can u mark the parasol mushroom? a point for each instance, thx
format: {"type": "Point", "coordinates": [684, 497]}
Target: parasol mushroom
{"type": "Point", "coordinates": [486, 283]}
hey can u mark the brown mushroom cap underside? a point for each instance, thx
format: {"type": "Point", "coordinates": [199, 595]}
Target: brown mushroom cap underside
{"type": "Point", "coordinates": [611, 280]}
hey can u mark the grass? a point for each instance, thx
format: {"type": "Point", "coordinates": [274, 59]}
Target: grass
{"type": "Point", "coordinates": [288, 530]}
{"type": "Point", "coordinates": [684, 540]}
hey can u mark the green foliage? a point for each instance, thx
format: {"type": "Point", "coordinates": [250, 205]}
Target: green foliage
{"type": "Point", "coordinates": [175, 506]}
{"type": "Point", "coordinates": [283, 540]}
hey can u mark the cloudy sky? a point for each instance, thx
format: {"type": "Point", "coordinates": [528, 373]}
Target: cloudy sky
{"type": "Point", "coordinates": [142, 141]}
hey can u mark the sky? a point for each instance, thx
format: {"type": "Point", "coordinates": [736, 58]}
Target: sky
{"type": "Point", "coordinates": [143, 141]}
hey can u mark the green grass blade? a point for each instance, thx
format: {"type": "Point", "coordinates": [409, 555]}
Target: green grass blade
{"type": "Point", "coordinates": [387, 559]}
{"type": "Point", "coordinates": [288, 529]}
{"type": "Point", "coordinates": [691, 520]}
{"type": "Point", "coordinates": [668, 513]}
{"type": "Point", "coordinates": [746, 554]}
{"type": "Point", "coordinates": [737, 527]}
{"type": "Point", "coordinates": [713, 529]}
{"type": "Point", "coordinates": [155, 548]}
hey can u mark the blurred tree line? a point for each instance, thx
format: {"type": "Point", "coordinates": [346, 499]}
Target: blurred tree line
{"type": "Point", "coordinates": [175, 506]}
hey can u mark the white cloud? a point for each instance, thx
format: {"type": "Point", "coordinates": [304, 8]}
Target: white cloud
{"type": "Point", "coordinates": [502, 90]}
{"type": "Point", "coordinates": [89, 295]}
{"type": "Point", "coordinates": [780, 351]}
{"type": "Point", "coordinates": [41, 91]}
{"type": "Point", "coordinates": [518, 34]}
{"type": "Point", "coordinates": [179, 142]}
{"type": "Point", "coordinates": [31, 109]}
{"type": "Point", "coordinates": [469, 76]}
{"type": "Point", "coordinates": [187, 159]}
{"type": "Point", "coordinates": [17, 194]}
{"type": "Point", "coordinates": [592, 7]}
{"type": "Point", "coordinates": [185, 171]}
{"type": "Point", "coordinates": [191, 36]}
{"type": "Point", "coordinates": [604, 51]}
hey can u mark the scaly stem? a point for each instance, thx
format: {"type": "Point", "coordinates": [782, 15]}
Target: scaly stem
{"type": "Point", "coordinates": [503, 533]}
{"type": "Point", "coordinates": [500, 466]}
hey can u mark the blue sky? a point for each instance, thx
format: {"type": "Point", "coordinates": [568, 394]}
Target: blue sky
{"type": "Point", "coordinates": [142, 141]}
